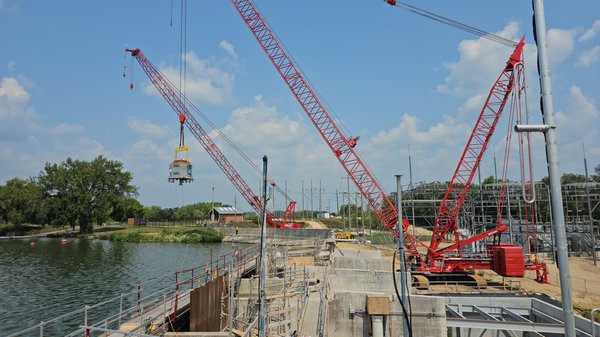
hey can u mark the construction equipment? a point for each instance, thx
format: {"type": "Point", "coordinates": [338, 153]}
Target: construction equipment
{"type": "Point", "coordinates": [342, 146]}
{"type": "Point", "coordinates": [174, 97]}
{"type": "Point", "coordinates": [465, 171]}
{"type": "Point", "coordinates": [181, 169]}
{"type": "Point", "coordinates": [344, 150]}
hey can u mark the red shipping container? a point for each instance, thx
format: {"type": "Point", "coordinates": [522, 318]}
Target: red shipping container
{"type": "Point", "coordinates": [511, 261]}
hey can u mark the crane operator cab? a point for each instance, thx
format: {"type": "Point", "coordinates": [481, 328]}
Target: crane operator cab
{"type": "Point", "coordinates": [180, 169]}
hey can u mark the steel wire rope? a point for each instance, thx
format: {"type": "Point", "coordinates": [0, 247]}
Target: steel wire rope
{"type": "Point", "coordinates": [330, 111]}
{"type": "Point", "coordinates": [198, 112]}
{"type": "Point", "coordinates": [303, 74]}
{"type": "Point", "coordinates": [456, 24]}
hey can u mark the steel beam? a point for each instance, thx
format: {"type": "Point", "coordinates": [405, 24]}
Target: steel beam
{"type": "Point", "coordinates": [504, 325]}
{"type": "Point", "coordinates": [544, 316]}
{"type": "Point", "coordinates": [484, 313]}
{"type": "Point", "coordinates": [453, 312]}
{"type": "Point", "coordinates": [515, 316]}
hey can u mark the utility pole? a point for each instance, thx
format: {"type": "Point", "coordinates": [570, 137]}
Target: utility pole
{"type": "Point", "coordinates": [311, 199]}
{"type": "Point", "coordinates": [553, 167]}
{"type": "Point", "coordinates": [412, 193]}
{"type": "Point", "coordinates": [320, 200]}
{"type": "Point", "coordinates": [302, 198]}
{"type": "Point", "coordinates": [349, 218]}
{"type": "Point", "coordinates": [212, 206]}
{"type": "Point", "coordinates": [587, 190]}
{"type": "Point", "coordinates": [263, 255]}
{"type": "Point", "coordinates": [401, 250]}
{"type": "Point", "coordinates": [337, 203]}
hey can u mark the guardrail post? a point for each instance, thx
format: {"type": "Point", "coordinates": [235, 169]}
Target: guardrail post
{"type": "Point", "coordinates": [192, 279]}
{"type": "Point", "coordinates": [85, 311]}
{"type": "Point", "coordinates": [139, 294]}
{"type": "Point", "coordinates": [176, 296]}
{"type": "Point", "coordinates": [164, 323]}
{"type": "Point", "coordinates": [120, 309]}
{"type": "Point", "coordinates": [593, 320]}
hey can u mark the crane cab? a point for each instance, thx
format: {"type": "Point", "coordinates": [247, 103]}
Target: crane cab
{"type": "Point", "coordinates": [180, 170]}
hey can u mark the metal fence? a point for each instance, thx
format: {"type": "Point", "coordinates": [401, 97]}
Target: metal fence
{"type": "Point", "coordinates": [138, 313]}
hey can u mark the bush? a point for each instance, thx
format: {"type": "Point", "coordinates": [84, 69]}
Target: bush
{"type": "Point", "coordinates": [184, 235]}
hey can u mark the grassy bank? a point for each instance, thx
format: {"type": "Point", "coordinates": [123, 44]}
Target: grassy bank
{"type": "Point", "coordinates": [18, 230]}
{"type": "Point", "coordinates": [177, 234]}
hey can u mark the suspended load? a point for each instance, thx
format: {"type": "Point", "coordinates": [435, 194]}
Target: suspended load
{"type": "Point", "coordinates": [181, 169]}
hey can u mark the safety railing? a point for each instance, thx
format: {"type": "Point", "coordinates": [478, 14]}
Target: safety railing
{"type": "Point", "coordinates": [137, 312]}
{"type": "Point", "coordinates": [593, 320]}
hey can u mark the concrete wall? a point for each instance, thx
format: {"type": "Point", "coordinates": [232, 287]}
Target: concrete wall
{"type": "Point", "coordinates": [357, 274]}
{"type": "Point", "coordinates": [429, 316]}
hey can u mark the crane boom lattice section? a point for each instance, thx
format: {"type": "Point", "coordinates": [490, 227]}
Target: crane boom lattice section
{"type": "Point", "coordinates": [342, 147]}
{"type": "Point", "coordinates": [173, 96]}
{"type": "Point", "coordinates": [472, 155]}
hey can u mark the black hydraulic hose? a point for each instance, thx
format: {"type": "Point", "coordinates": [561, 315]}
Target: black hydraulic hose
{"type": "Point", "coordinates": [404, 312]}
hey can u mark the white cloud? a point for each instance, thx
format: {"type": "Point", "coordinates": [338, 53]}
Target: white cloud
{"type": "Point", "coordinates": [65, 128]}
{"type": "Point", "coordinates": [588, 57]}
{"type": "Point", "coordinates": [560, 44]}
{"type": "Point", "coordinates": [146, 128]}
{"type": "Point", "coordinates": [228, 47]}
{"type": "Point", "coordinates": [577, 125]}
{"type": "Point", "coordinates": [472, 105]}
{"type": "Point", "coordinates": [206, 81]}
{"type": "Point", "coordinates": [479, 64]}
{"type": "Point", "coordinates": [13, 92]}
{"type": "Point", "coordinates": [260, 124]}
{"type": "Point", "coordinates": [16, 115]}
{"type": "Point", "coordinates": [590, 33]}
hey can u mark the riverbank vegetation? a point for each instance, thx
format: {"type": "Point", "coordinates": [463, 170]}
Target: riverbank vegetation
{"type": "Point", "coordinates": [176, 234]}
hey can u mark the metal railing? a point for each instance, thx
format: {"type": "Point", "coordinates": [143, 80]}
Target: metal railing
{"type": "Point", "coordinates": [136, 312]}
{"type": "Point", "coordinates": [593, 320]}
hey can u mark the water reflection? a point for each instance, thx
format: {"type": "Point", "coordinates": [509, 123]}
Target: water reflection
{"type": "Point", "coordinates": [43, 281]}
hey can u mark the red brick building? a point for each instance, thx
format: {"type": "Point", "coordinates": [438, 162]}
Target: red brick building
{"type": "Point", "coordinates": [227, 214]}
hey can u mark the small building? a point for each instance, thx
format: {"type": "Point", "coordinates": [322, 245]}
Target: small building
{"type": "Point", "coordinates": [227, 214]}
{"type": "Point", "coordinates": [324, 215]}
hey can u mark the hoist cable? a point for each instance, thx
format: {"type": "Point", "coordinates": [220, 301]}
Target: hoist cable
{"type": "Point", "coordinates": [456, 24]}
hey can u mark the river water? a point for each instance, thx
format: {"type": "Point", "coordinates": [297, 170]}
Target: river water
{"type": "Point", "coordinates": [49, 279]}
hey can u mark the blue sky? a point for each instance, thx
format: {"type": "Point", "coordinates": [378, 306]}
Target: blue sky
{"type": "Point", "coordinates": [393, 78]}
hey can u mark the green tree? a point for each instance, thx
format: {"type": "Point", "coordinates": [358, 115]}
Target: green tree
{"type": "Point", "coordinates": [21, 201]}
{"type": "Point", "coordinates": [186, 212]}
{"type": "Point", "coordinates": [126, 208]}
{"type": "Point", "coordinates": [570, 178]}
{"type": "Point", "coordinates": [489, 180]}
{"type": "Point", "coordinates": [86, 191]}
{"type": "Point", "coordinates": [152, 213]}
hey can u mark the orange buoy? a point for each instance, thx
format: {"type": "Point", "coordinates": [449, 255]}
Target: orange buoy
{"type": "Point", "coordinates": [32, 244]}
{"type": "Point", "coordinates": [63, 241]}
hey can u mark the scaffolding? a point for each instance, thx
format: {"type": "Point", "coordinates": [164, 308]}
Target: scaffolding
{"type": "Point", "coordinates": [480, 209]}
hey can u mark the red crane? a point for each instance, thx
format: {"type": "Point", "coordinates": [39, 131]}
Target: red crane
{"type": "Point", "coordinates": [173, 96]}
{"type": "Point", "coordinates": [341, 145]}
{"type": "Point", "coordinates": [343, 148]}
{"type": "Point", "coordinates": [469, 162]}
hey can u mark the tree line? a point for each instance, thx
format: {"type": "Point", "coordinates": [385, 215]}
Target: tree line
{"type": "Point", "coordinates": [79, 193]}
{"type": "Point", "coordinates": [72, 193]}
